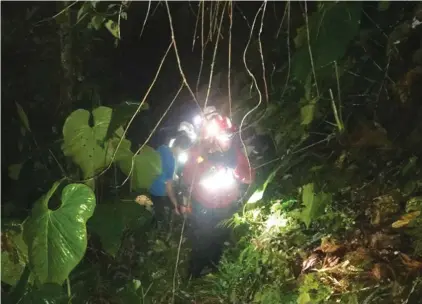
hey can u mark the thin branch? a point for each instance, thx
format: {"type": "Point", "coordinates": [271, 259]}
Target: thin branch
{"type": "Point", "coordinates": [58, 14]}
{"type": "Point", "coordinates": [287, 7]}
{"type": "Point", "coordinates": [177, 260]}
{"type": "Point", "coordinates": [173, 39]}
{"type": "Point", "coordinates": [309, 48]}
{"type": "Point", "coordinates": [288, 51]}
{"type": "Point", "coordinates": [214, 55]}
{"type": "Point", "coordinates": [146, 18]}
{"type": "Point", "coordinates": [257, 87]}
{"type": "Point", "coordinates": [261, 53]}
{"type": "Point", "coordinates": [202, 48]}
{"type": "Point", "coordinates": [152, 133]}
{"type": "Point", "coordinates": [196, 27]}
{"type": "Point", "coordinates": [339, 123]}
{"type": "Point", "coordinates": [338, 91]}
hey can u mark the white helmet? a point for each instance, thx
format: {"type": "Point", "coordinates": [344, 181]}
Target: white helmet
{"type": "Point", "coordinates": [210, 111]}
{"type": "Point", "coordinates": [189, 129]}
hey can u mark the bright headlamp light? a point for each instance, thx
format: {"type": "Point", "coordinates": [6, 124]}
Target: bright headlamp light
{"type": "Point", "coordinates": [182, 157]}
{"type": "Point", "coordinates": [221, 179]}
{"type": "Point", "coordinates": [197, 120]}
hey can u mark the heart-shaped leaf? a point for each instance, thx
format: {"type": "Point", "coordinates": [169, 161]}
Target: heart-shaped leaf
{"type": "Point", "coordinates": [57, 239]}
{"type": "Point", "coordinates": [146, 166]}
{"type": "Point", "coordinates": [85, 144]}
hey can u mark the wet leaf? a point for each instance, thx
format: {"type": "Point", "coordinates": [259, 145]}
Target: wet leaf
{"type": "Point", "coordinates": [86, 144]}
{"type": "Point", "coordinates": [57, 239]}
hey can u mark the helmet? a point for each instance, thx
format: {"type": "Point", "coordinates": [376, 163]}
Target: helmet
{"type": "Point", "coordinates": [210, 111]}
{"type": "Point", "coordinates": [188, 129]}
{"type": "Point", "coordinates": [224, 123]}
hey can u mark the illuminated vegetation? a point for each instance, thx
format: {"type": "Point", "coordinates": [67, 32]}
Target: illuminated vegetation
{"type": "Point", "coordinates": [331, 100]}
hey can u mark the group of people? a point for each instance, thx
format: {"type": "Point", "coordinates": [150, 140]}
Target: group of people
{"type": "Point", "coordinates": [203, 168]}
{"type": "Point", "coordinates": [210, 143]}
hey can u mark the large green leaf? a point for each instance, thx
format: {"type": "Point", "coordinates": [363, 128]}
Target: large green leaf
{"type": "Point", "coordinates": [331, 29]}
{"type": "Point", "coordinates": [57, 239]}
{"type": "Point", "coordinates": [86, 144]}
{"type": "Point", "coordinates": [146, 166]}
{"type": "Point", "coordinates": [110, 221]}
{"type": "Point", "coordinates": [314, 204]}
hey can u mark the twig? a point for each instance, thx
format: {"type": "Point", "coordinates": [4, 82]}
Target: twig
{"type": "Point", "coordinates": [309, 48]}
{"type": "Point", "coordinates": [146, 18]}
{"type": "Point", "coordinates": [288, 51]}
{"type": "Point", "coordinates": [202, 48]}
{"type": "Point", "coordinates": [177, 261]}
{"type": "Point", "coordinates": [196, 26]}
{"type": "Point", "coordinates": [336, 115]}
{"type": "Point", "coordinates": [259, 93]}
{"type": "Point", "coordinates": [260, 52]}
{"type": "Point", "coordinates": [287, 7]}
{"type": "Point", "coordinates": [152, 133]}
{"type": "Point", "coordinates": [119, 19]}
{"type": "Point", "coordinates": [338, 91]}
{"type": "Point", "coordinates": [58, 14]}
{"type": "Point", "coordinates": [177, 54]}
{"type": "Point", "coordinates": [213, 57]}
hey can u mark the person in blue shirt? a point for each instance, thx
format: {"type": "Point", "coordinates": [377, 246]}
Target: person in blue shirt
{"type": "Point", "coordinates": [162, 189]}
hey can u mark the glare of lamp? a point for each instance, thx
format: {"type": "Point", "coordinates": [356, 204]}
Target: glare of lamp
{"type": "Point", "coordinates": [220, 179]}
{"type": "Point", "coordinates": [197, 120]}
{"type": "Point", "coordinates": [182, 157]}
